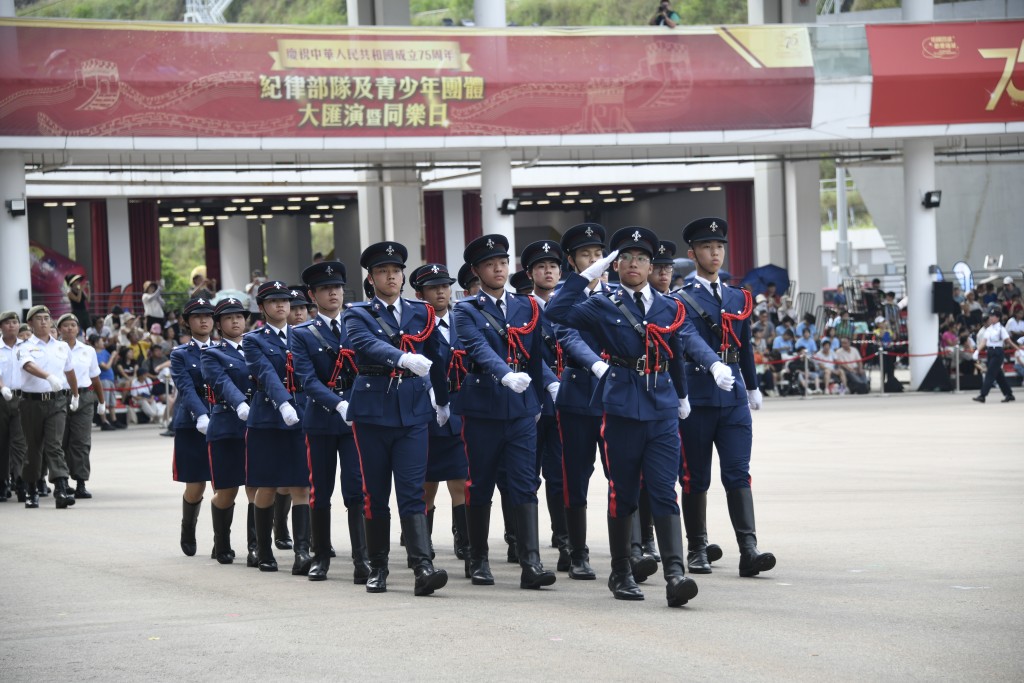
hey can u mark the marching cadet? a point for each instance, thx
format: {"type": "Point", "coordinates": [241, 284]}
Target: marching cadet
{"type": "Point", "coordinates": [191, 461]}
{"type": "Point", "coordinates": [501, 401]}
{"type": "Point", "coordinates": [579, 405]}
{"type": "Point", "coordinates": [325, 364]}
{"type": "Point", "coordinates": [993, 337]}
{"type": "Point", "coordinates": [542, 262]}
{"type": "Point", "coordinates": [644, 393]}
{"type": "Point", "coordinates": [77, 441]}
{"type": "Point", "coordinates": [391, 404]}
{"type": "Point", "coordinates": [446, 454]}
{"type": "Point", "coordinates": [468, 280]}
{"type": "Point", "coordinates": [12, 437]}
{"type": "Point", "coordinates": [229, 388]}
{"type": "Point", "coordinates": [275, 452]}
{"type": "Point", "coordinates": [47, 373]}
{"type": "Point", "coordinates": [718, 351]}
{"type": "Point", "coordinates": [521, 282]}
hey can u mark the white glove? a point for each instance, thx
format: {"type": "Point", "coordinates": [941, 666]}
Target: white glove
{"type": "Point", "coordinates": [536, 419]}
{"type": "Point", "coordinates": [101, 408]}
{"type": "Point", "coordinates": [56, 383]}
{"type": "Point", "coordinates": [242, 411]}
{"type": "Point", "coordinates": [976, 353]}
{"type": "Point", "coordinates": [723, 376]}
{"type": "Point", "coordinates": [433, 401]}
{"type": "Point", "coordinates": [684, 408]}
{"type": "Point", "coordinates": [553, 391]}
{"type": "Point", "coordinates": [754, 399]}
{"type": "Point", "coordinates": [203, 423]}
{"type": "Point", "coordinates": [415, 363]}
{"type": "Point", "coordinates": [599, 368]}
{"type": "Point", "coordinates": [288, 414]}
{"type": "Point", "coordinates": [443, 413]}
{"type": "Point", "coordinates": [516, 381]}
{"type": "Point", "coordinates": [6, 393]}
{"type": "Point", "coordinates": [343, 411]}
{"type": "Point", "coordinates": [74, 404]}
{"type": "Point", "coordinates": [597, 268]}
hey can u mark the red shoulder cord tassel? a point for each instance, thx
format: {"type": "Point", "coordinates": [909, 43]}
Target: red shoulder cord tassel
{"type": "Point", "coordinates": [655, 339]}
{"type": "Point", "coordinates": [289, 373]}
{"type": "Point", "coordinates": [728, 318]}
{"type": "Point", "coordinates": [409, 341]}
{"type": "Point", "coordinates": [458, 364]}
{"type": "Point", "coordinates": [515, 341]}
{"type": "Point", "coordinates": [339, 365]}
{"type": "Point", "coordinates": [210, 398]}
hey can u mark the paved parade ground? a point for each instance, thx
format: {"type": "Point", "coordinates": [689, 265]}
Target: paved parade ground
{"type": "Point", "coordinates": [897, 522]}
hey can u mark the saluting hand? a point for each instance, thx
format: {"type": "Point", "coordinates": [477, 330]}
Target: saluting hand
{"type": "Point", "coordinates": [597, 268]}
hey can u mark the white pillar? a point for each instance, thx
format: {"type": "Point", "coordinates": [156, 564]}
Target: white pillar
{"type": "Point", "coordinates": [282, 249]}
{"type": "Point", "coordinates": [922, 252]}
{"type": "Point", "coordinates": [489, 13]}
{"type": "Point", "coordinates": [454, 229]}
{"type": "Point", "coordinates": [257, 253]}
{"type": "Point", "coordinates": [918, 10]}
{"type": "Point", "coordinates": [403, 214]}
{"type": "Point", "coordinates": [769, 214]}
{"type": "Point", "coordinates": [83, 236]}
{"type": "Point", "coordinates": [303, 244]}
{"type": "Point", "coordinates": [347, 250]}
{"type": "Point", "coordinates": [378, 13]}
{"type": "Point", "coordinates": [233, 234]}
{"type": "Point", "coordinates": [7, 8]}
{"type": "Point", "coordinates": [15, 266]}
{"type": "Point", "coordinates": [119, 247]}
{"type": "Point", "coordinates": [803, 226]}
{"type": "Point", "coordinates": [496, 185]}
{"type": "Point", "coordinates": [842, 225]}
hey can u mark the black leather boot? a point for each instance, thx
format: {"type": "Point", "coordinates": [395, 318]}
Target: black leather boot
{"type": "Point", "coordinates": [430, 537]}
{"type": "Point", "coordinates": [416, 529]}
{"type": "Point", "coordinates": [5, 489]}
{"type": "Point", "coordinates": [251, 559]}
{"type": "Point", "coordinates": [460, 533]}
{"type": "Point", "coordinates": [42, 488]}
{"type": "Point", "coordinates": [378, 545]}
{"type": "Point", "coordinates": [20, 490]}
{"type": "Point", "coordinates": [741, 512]}
{"type": "Point", "coordinates": [189, 517]}
{"type": "Point", "coordinates": [559, 530]}
{"type": "Point", "coordinates": [579, 553]}
{"type": "Point", "coordinates": [222, 534]}
{"type": "Point", "coordinates": [282, 503]}
{"type": "Point", "coordinates": [63, 496]}
{"type": "Point", "coordinates": [300, 525]}
{"type": "Point", "coordinates": [643, 565]}
{"type": "Point", "coordinates": [80, 490]}
{"type": "Point", "coordinates": [647, 525]}
{"type": "Point", "coordinates": [320, 527]}
{"type": "Point", "coordinates": [620, 537]}
{"type": "Point", "coordinates": [508, 514]}
{"type": "Point", "coordinates": [478, 519]}
{"type": "Point", "coordinates": [528, 548]}
{"type": "Point", "coordinates": [264, 546]}
{"type": "Point", "coordinates": [695, 507]}
{"type": "Point", "coordinates": [679, 588]}
{"type": "Point", "coordinates": [357, 536]}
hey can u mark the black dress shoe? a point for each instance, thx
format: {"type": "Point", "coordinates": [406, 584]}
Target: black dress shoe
{"type": "Point", "coordinates": [167, 432]}
{"type": "Point", "coordinates": [679, 590]}
{"type": "Point", "coordinates": [714, 552]}
{"type": "Point", "coordinates": [643, 567]}
{"type": "Point", "coordinates": [979, 399]}
{"type": "Point", "coordinates": [534, 576]}
{"type": "Point", "coordinates": [623, 587]}
{"type": "Point", "coordinates": [1009, 398]}
{"type": "Point", "coordinates": [106, 427]}
{"type": "Point", "coordinates": [377, 582]}
{"type": "Point", "coordinates": [80, 490]}
{"type": "Point", "coordinates": [429, 580]}
{"type": "Point", "coordinates": [269, 565]}
{"type": "Point", "coordinates": [31, 500]}
{"type": "Point", "coordinates": [360, 573]}
{"type": "Point", "coordinates": [480, 572]}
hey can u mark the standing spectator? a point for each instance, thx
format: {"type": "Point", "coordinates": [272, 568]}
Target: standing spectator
{"type": "Point", "coordinates": [857, 381]}
{"type": "Point", "coordinates": [202, 286]}
{"type": "Point", "coordinates": [172, 327]}
{"type": "Point", "coordinates": [839, 298]}
{"type": "Point", "coordinates": [105, 359]}
{"type": "Point", "coordinates": [153, 302]}
{"type": "Point", "coordinates": [77, 440]}
{"type": "Point", "coordinates": [251, 289]}
{"type": "Point", "coordinates": [665, 16]}
{"type": "Point", "coordinates": [78, 295]}
{"type": "Point", "coordinates": [989, 295]}
{"type": "Point", "coordinates": [126, 368]}
{"type": "Point", "coordinates": [993, 337]}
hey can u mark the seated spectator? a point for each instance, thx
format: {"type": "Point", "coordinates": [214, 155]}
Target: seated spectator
{"type": "Point", "coordinates": [806, 342]}
{"type": "Point", "coordinates": [1018, 358]}
{"type": "Point", "coordinates": [806, 372]}
{"type": "Point", "coordinates": [830, 338]}
{"type": "Point", "coordinates": [762, 323]}
{"type": "Point", "coordinates": [784, 344]}
{"type": "Point", "coordinates": [807, 322]}
{"type": "Point", "coordinates": [172, 326]}
{"type": "Point", "coordinates": [149, 371]}
{"type": "Point", "coordinates": [848, 358]}
{"type": "Point", "coordinates": [825, 359]}
{"type": "Point", "coordinates": [126, 369]}
{"type": "Point", "coordinates": [844, 328]}
{"type": "Point", "coordinates": [1015, 325]}
{"type": "Point", "coordinates": [786, 324]}
{"type": "Point", "coordinates": [988, 294]}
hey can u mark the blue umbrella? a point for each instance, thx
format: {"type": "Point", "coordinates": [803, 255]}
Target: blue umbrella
{"type": "Point", "coordinates": [759, 278]}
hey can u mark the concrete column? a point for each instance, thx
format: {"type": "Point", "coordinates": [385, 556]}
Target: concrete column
{"type": "Point", "coordinates": [119, 246]}
{"type": "Point", "coordinates": [347, 250]}
{"type": "Point", "coordinates": [918, 10]}
{"type": "Point", "coordinates": [489, 13]}
{"type": "Point", "coordinates": [15, 266]}
{"type": "Point", "coordinates": [769, 214]}
{"type": "Point", "coordinates": [403, 214]}
{"type": "Point", "coordinates": [378, 13]}
{"type": "Point", "coordinates": [282, 249]}
{"type": "Point", "coordinates": [371, 213]}
{"type": "Point", "coordinates": [83, 237]}
{"type": "Point", "coordinates": [39, 224]}
{"type": "Point", "coordinates": [454, 230]}
{"type": "Point", "coordinates": [233, 235]}
{"type": "Point", "coordinates": [803, 226]}
{"type": "Point", "coordinates": [257, 254]}
{"type": "Point", "coordinates": [303, 244]}
{"type": "Point", "coordinates": [496, 185]}
{"type": "Point", "coordinates": [922, 252]}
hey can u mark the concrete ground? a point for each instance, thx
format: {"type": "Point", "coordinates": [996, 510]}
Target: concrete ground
{"type": "Point", "coordinates": [896, 521]}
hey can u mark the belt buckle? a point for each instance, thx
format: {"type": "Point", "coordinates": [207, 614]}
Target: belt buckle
{"type": "Point", "coordinates": [641, 365]}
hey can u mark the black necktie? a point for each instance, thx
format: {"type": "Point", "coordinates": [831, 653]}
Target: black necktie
{"type": "Point", "coordinates": [335, 329]}
{"type": "Point", "coordinates": [714, 290]}
{"type": "Point", "coordinates": [501, 307]}
{"type": "Point", "coordinates": [391, 310]}
{"type": "Point", "coordinates": [639, 299]}
{"type": "Point", "coordinates": [280, 333]}
{"type": "Point", "coordinates": [443, 324]}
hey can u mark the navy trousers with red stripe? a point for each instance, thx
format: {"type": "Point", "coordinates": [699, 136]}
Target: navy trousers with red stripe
{"type": "Point", "coordinates": [729, 429]}
{"type": "Point", "coordinates": [549, 454]}
{"type": "Point", "coordinates": [501, 445]}
{"type": "Point", "coordinates": [386, 452]}
{"type": "Point", "coordinates": [324, 452]}
{"type": "Point", "coordinates": [635, 449]}
{"type": "Point", "coordinates": [581, 441]}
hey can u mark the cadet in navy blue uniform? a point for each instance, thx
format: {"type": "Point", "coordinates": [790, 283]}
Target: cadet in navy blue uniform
{"type": "Point", "coordinates": [191, 417]}
{"type": "Point", "coordinates": [723, 388]}
{"type": "Point", "coordinates": [579, 404]}
{"type": "Point", "coordinates": [542, 262]}
{"type": "Point", "coordinates": [446, 455]}
{"type": "Point", "coordinates": [391, 404]}
{"type": "Point", "coordinates": [229, 388]}
{"type": "Point", "coordinates": [468, 280]}
{"type": "Point", "coordinates": [644, 394]}
{"type": "Point", "coordinates": [501, 400]}
{"type": "Point", "coordinates": [325, 364]}
{"type": "Point", "coordinates": [275, 450]}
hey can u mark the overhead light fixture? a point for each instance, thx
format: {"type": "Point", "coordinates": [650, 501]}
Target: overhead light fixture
{"type": "Point", "coordinates": [222, 218]}
{"type": "Point", "coordinates": [572, 193]}
{"type": "Point", "coordinates": [295, 208]}
{"type": "Point", "coordinates": [251, 217]}
{"type": "Point", "coordinates": [277, 208]}
{"type": "Point", "coordinates": [177, 209]}
{"type": "Point", "coordinates": [238, 200]}
{"type": "Point", "coordinates": [714, 188]}
{"type": "Point", "coordinates": [246, 208]}
{"type": "Point", "coordinates": [554, 193]}
{"type": "Point", "coordinates": [328, 216]}
{"type": "Point", "coordinates": [610, 200]}
{"type": "Point", "coordinates": [71, 220]}
{"type": "Point", "coordinates": [586, 201]}
{"type": "Point", "coordinates": [50, 204]}
{"type": "Point", "coordinates": [67, 203]}
{"type": "Point", "coordinates": [179, 219]}
{"type": "Point", "coordinates": [543, 202]}
{"type": "Point", "coordinates": [266, 215]}
{"type": "Point", "coordinates": [338, 206]}
{"type": "Point", "coordinates": [314, 216]}
{"type": "Point", "coordinates": [568, 201]}
{"type": "Point", "coordinates": [163, 219]}
{"type": "Point", "coordinates": [295, 199]}
{"type": "Point", "coordinates": [312, 199]}
{"type": "Point", "coordinates": [256, 200]}
{"type": "Point", "coordinates": [932, 199]}
{"type": "Point", "coordinates": [226, 208]}
{"type": "Point", "coordinates": [194, 209]}
{"type": "Point", "coordinates": [627, 199]}
{"type": "Point", "coordinates": [526, 202]}
{"type": "Point", "coordinates": [697, 188]}
{"type": "Point", "coordinates": [625, 191]}
{"type": "Point", "coordinates": [606, 191]}
{"type": "Point", "coordinates": [509, 206]}
{"type": "Point", "coordinates": [322, 207]}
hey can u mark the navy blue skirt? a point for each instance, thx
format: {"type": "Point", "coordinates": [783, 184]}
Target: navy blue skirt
{"type": "Point", "coordinates": [276, 457]}
{"type": "Point", "coordinates": [190, 462]}
{"type": "Point", "coordinates": [227, 463]}
{"type": "Point", "coordinates": [446, 459]}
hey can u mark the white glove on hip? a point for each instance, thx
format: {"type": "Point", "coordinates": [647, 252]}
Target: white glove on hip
{"type": "Point", "coordinates": [516, 381]}
{"type": "Point", "coordinates": [684, 408]}
{"type": "Point", "coordinates": [597, 268]}
{"type": "Point", "coordinates": [203, 423]}
{"type": "Point", "coordinates": [242, 411]}
{"type": "Point", "coordinates": [415, 363]}
{"type": "Point", "coordinates": [754, 399]}
{"type": "Point", "coordinates": [443, 413]}
{"type": "Point", "coordinates": [553, 391]}
{"type": "Point", "coordinates": [6, 393]}
{"type": "Point", "coordinates": [599, 368]}
{"type": "Point", "coordinates": [723, 376]}
{"type": "Point", "coordinates": [101, 408]}
{"type": "Point", "coordinates": [56, 383]}
{"type": "Point", "coordinates": [976, 354]}
{"type": "Point", "coordinates": [74, 404]}
{"type": "Point", "coordinates": [288, 414]}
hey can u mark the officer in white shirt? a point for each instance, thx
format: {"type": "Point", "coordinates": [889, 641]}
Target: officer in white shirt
{"type": "Point", "coordinates": [12, 438]}
{"type": "Point", "coordinates": [992, 338]}
{"type": "Point", "coordinates": [48, 374]}
{"type": "Point", "coordinates": [78, 429]}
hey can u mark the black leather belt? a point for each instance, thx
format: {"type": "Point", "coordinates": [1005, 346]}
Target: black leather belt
{"type": "Point", "coordinates": [480, 370]}
{"type": "Point", "coordinates": [728, 356]}
{"type": "Point", "coordinates": [383, 371]}
{"type": "Point", "coordinates": [637, 364]}
{"type": "Point", "coordinates": [83, 390]}
{"type": "Point", "coordinates": [47, 396]}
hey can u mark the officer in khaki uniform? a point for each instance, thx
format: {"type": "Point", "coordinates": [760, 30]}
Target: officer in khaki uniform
{"type": "Point", "coordinates": [77, 441]}
{"type": "Point", "coordinates": [48, 373]}
{"type": "Point", "coordinates": [12, 439]}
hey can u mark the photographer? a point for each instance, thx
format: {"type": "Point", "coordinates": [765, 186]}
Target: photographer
{"type": "Point", "coordinates": [665, 16]}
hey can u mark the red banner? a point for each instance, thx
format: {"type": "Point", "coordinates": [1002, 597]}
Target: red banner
{"type": "Point", "coordinates": [63, 78]}
{"type": "Point", "coordinates": [947, 73]}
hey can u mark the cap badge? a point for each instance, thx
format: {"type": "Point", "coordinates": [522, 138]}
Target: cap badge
{"type": "Point", "coordinates": [490, 244]}
{"type": "Point", "coordinates": [546, 247]}
{"type": "Point", "coordinates": [232, 302]}
{"type": "Point", "coordinates": [390, 250]}
{"type": "Point", "coordinates": [636, 235]}
{"type": "Point", "coordinates": [435, 270]}
{"type": "Point", "coordinates": [589, 232]}
{"type": "Point", "coordinates": [294, 293]}
{"type": "Point", "coordinates": [714, 226]}
{"type": "Point", "coordinates": [661, 249]}
{"type": "Point", "coordinates": [200, 302]}
{"type": "Point", "coordinates": [278, 285]}
{"type": "Point", "coordinates": [330, 270]}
